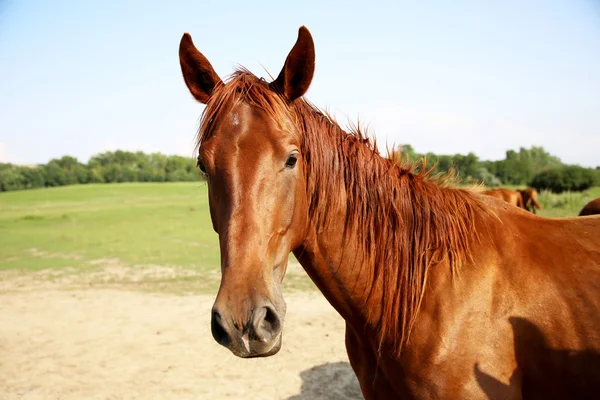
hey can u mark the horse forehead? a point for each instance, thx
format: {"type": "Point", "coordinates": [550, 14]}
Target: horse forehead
{"type": "Point", "coordinates": [247, 126]}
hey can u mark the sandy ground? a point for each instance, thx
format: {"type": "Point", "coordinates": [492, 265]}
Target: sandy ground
{"type": "Point", "coordinates": [99, 343]}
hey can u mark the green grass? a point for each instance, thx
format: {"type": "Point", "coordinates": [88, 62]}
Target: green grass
{"type": "Point", "coordinates": [567, 204]}
{"type": "Point", "coordinates": [84, 227]}
{"type": "Point", "coordinates": [165, 224]}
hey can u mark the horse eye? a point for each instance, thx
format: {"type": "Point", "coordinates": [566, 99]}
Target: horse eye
{"type": "Point", "coordinates": [201, 165]}
{"type": "Point", "coordinates": [291, 161]}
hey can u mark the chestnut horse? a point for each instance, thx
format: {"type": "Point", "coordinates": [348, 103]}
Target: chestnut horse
{"type": "Point", "coordinates": [446, 293]}
{"type": "Point", "coordinates": [510, 196]}
{"type": "Point", "coordinates": [529, 197]}
{"type": "Point", "coordinates": [591, 208]}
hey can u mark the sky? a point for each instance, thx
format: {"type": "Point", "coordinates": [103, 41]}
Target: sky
{"type": "Point", "coordinates": [81, 77]}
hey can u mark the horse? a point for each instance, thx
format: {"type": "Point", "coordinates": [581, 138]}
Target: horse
{"type": "Point", "coordinates": [530, 199]}
{"type": "Point", "coordinates": [510, 196]}
{"type": "Point", "coordinates": [591, 208]}
{"type": "Point", "coordinates": [445, 293]}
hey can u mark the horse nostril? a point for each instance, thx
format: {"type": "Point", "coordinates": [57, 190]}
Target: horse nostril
{"type": "Point", "coordinates": [272, 319]}
{"type": "Point", "coordinates": [217, 329]}
{"type": "Point", "coordinates": [266, 324]}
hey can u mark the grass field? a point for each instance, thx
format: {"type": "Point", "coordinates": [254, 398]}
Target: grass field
{"type": "Point", "coordinates": [136, 226]}
{"type": "Point", "coordinates": [166, 224]}
{"type": "Point", "coordinates": [566, 204]}
{"type": "Point", "coordinates": [129, 226]}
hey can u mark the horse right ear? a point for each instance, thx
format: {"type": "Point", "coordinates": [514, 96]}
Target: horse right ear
{"type": "Point", "coordinates": [297, 73]}
{"type": "Point", "coordinates": [199, 76]}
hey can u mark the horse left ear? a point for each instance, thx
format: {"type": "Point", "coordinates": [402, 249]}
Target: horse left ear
{"type": "Point", "coordinates": [297, 73]}
{"type": "Point", "coordinates": [199, 76]}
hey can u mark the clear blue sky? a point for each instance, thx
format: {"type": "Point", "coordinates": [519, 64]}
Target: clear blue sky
{"type": "Point", "coordinates": [81, 77]}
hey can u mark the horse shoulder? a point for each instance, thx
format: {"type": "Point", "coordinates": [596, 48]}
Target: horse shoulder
{"type": "Point", "coordinates": [463, 333]}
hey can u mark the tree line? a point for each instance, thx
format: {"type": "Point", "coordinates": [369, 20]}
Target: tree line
{"type": "Point", "coordinates": [534, 167]}
{"type": "Point", "coordinates": [108, 167]}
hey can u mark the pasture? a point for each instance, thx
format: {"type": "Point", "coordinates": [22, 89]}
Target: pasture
{"type": "Point", "coordinates": [113, 284]}
{"type": "Point", "coordinates": [136, 223]}
{"type": "Point", "coordinates": [136, 232]}
{"type": "Point", "coordinates": [149, 236]}
{"type": "Point", "coordinates": [567, 203]}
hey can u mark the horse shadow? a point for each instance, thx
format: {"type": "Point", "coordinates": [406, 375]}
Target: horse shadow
{"type": "Point", "coordinates": [563, 374]}
{"type": "Point", "coordinates": [330, 381]}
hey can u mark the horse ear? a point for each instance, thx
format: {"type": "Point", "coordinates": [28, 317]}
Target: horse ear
{"type": "Point", "coordinates": [199, 76]}
{"type": "Point", "coordinates": [297, 73]}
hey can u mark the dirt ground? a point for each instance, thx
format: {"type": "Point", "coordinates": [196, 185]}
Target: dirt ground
{"type": "Point", "coordinates": [102, 343]}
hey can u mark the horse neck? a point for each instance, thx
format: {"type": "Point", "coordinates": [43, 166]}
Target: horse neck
{"type": "Point", "coordinates": [333, 254]}
{"type": "Point", "coordinates": [375, 229]}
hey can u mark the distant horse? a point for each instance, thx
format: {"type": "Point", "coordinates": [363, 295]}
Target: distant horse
{"type": "Point", "coordinates": [431, 280]}
{"type": "Point", "coordinates": [530, 199]}
{"type": "Point", "coordinates": [591, 208]}
{"type": "Point", "coordinates": [510, 196]}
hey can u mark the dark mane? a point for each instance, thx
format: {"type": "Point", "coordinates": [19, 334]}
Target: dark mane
{"type": "Point", "coordinates": [404, 223]}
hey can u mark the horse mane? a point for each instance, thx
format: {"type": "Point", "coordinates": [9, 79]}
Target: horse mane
{"type": "Point", "coordinates": [405, 224]}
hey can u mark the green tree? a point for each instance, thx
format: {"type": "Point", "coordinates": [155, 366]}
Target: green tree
{"type": "Point", "coordinates": [11, 179]}
{"type": "Point", "coordinates": [96, 175]}
{"type": "Point", "coordinates": [34, 177]}
{"type": "Point", "coordinates": [113, 173]}
{"type": "Point", "coordinates": [55, 175]}
{"type": "Point", "coordinates": [560, 179]}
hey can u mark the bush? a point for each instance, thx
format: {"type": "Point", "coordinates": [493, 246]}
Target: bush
{"type": "Point", "coordinates": [570, 177]}
{"type": "Point", "coordinates": [11, 179]}
{"type": "Point", "coordinates": [489, 179]}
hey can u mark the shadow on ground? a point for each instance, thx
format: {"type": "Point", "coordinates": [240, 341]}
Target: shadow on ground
{"type": "Point", "coordinates": [331, 381]}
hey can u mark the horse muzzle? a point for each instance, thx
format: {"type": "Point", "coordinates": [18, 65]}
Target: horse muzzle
{"type": "Point", "coordinates": [259, 336]}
